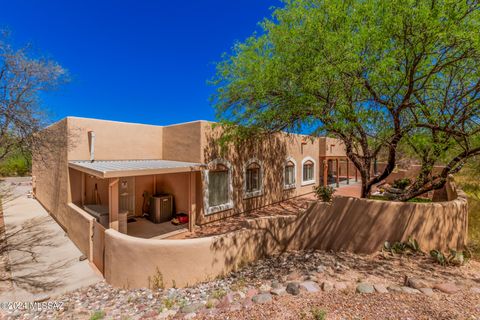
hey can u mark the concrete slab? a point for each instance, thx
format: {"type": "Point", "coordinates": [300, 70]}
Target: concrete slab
{"type": "Point", "coordinates": [43, 260]}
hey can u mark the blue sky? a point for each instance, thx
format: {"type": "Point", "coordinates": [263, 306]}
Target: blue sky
{"type": "Point", "coordinates": [139, 61]}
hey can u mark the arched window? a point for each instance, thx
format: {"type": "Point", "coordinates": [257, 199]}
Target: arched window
{"type": "Point", "coordinates": [308, 171]}
{"type": "Point", "coordinates": [218, 181]}
{"type": "Point", "coordinates": [289, 174]}
{"type": "Point", "coordinates": [253, 178]}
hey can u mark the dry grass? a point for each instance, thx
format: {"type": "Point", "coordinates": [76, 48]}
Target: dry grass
{"type": "Point", "coordinates": [469, 182]}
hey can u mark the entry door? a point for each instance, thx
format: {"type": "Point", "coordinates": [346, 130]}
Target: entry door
{"type": "Point", "coordinates": [126, 195]}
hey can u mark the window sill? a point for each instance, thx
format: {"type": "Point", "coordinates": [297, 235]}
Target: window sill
{"type": "Point", "coordinates": [309, 182]}
{"type": "Point", "coordinates": [219, 208]}
{"type": "Point", "coordinates": [289, 186]}
{"type": "Point", "coordinates": [253, 194]}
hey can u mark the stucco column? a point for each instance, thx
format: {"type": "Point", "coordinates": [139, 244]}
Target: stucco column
{"type": "Point", "coordinates": [113, 203]}
{"type": "Point", "coordinates": [83, 188]}
{"type": "Point", "coordinates": [192, 201]}
{"type": "Point", "coordinates": [337, 163]}
{"type": "Point", "coordinates": [348, 172]}
{"type": "Point", "coordinates": [325, 172]}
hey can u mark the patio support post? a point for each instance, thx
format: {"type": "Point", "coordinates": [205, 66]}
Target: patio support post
{"type": "Point", "coordinates": [83, 188]}
{"type": "Point", "coordinates": [337, 163]}
{"type": "Point", "coordinates": [356, 174]}
{"type": "Point", "coordinates": [113, 203]}
{"type": "Point", "coordinates": [192, 202]}
{"type": "Point", "coordinates": [325, 172]}
{"type": "Point", "coordinates": [348, 172]}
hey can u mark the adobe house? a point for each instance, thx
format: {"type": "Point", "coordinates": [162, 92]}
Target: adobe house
{"type": "Point", "coordinates": [111, 170]}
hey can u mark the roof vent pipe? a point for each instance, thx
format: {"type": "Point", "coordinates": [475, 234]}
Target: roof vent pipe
{"type": "Point", "coordinates": [91, 144]}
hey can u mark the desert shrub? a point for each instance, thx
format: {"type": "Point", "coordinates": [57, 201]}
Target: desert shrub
{"type": "Point", "coordinates": [401, 184]}
{"type": "Point", "coordinates": [98, 315]}
{"type": "Point", "coordinates": [411, 246]}
{"type": "Point", "coordinates": [454, 258]}
{"type": "Point", "coordinates": [318, 314]}
{"type": "Point", "coordinates": [324, 193]}
{"type": "Point", "coordinates": [15, 165]}
{"type": "Point", "coordinates": [156, 282]}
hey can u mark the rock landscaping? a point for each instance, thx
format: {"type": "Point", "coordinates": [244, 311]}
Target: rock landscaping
{"type": "Point", "coordinates": [288, 285]}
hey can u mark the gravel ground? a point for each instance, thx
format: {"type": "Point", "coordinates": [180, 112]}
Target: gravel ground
{"type": "Point", "coordinates": [358, 306]}
{"type": "Point", "coordinates": [326, 282]}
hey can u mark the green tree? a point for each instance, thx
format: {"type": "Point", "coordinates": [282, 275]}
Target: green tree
{"type": "Point", "coordinates": [24, 76]}
{"type": "Point", "coordinates": [371, 73]}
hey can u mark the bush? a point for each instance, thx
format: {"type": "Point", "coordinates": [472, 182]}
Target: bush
{"type": "Point", "coordinates": [411, 246]}
{"type": "Point", "coordinates": [15, 165]}
{"type": "Point", "coordinates": [455, 258]}
{"type": "Point", "coordinates": [324, 193]}
{"type": "Point", "coordinates": [318, 314]}
{"type": "Point", "coordinates": [401, 184]}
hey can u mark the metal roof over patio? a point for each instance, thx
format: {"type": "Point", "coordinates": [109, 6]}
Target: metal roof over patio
{"type": "Point", "coordinates": [129, 168]}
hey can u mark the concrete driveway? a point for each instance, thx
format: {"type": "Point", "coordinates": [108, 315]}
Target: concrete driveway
{"type": "Point", "coordinates": [42, 260]}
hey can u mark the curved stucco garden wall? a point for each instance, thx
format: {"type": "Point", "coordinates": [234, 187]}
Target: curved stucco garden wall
{"type": "Point", "coordinates": [351, 224]}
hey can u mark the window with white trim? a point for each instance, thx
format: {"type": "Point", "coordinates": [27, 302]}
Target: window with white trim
{"type": "Point", "coordinates": [289, 175]}
{"type": "Point", "coordinates": [252, 178]}
{"type": "Point", "coordinates": [218, 186]}
{"type": "Point", "coordinates": [308, 171]}
{"type": "Point", "coordinates": [252, 184]}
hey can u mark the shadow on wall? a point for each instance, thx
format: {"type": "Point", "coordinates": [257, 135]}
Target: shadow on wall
{"type": "Point", "coordinates": [270, 150]}
{"type": "Point", "coordinates": [49, 160]}
{"type": "Point", "coordinates": [349, 224]}
{"type": "Point", "coordinates": [346, 224]}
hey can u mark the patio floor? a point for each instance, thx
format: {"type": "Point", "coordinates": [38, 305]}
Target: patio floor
{"type": "Point", "coordinates": [144, 228]}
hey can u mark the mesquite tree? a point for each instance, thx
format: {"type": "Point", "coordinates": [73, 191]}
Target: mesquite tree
{"type": "Point", "coordinates": [370, 73]}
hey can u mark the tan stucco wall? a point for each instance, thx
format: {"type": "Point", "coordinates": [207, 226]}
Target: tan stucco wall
{"type": "Point", "coordinates": [182, 142]}
{"type": "Point", "coordinates": [50, 171]}
{"type": "Point", "coordinates": [142, 183]}
{"type": "Point", "coordinates": [114, 140]}
{"type": "Point", "coordinates": [80, 228]}
{"type": "Point", "coordinates": [195, 142]}
{"type": "Point", "coordinates": [331, 147]}
{"type": "Point", "coordinates": [272, 152]}
{"type": "Point", "coordinates": [347, 224]}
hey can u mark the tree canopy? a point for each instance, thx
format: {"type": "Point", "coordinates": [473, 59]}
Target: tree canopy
{"type": "Point", "coordinates": [24, 76]}
{"type": "Point", "coordinates": [372, 73]}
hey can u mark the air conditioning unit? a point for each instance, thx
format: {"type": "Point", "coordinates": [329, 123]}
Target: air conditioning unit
{"type": "Point", "coordinates": [161, 208]}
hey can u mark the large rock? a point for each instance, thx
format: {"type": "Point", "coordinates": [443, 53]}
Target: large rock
{"type": "Point", "coordinates": [340, 286]}
{"type": "Point", "coordinates": [394, 288]}
{"type": "Point", "coordinates": [447, 287]}
{"type": "Point", "coordinates": [475, 290]}
{"type": "Point", "coordinates": [380, 288]}
{"type": "Point", "coordinates": [364, 287]}
{"type": "Point", "coordinates": [278, 291]}
{"type": "Point", "coordinates": [417, 283]}
{"type": "Point", "coordinates": [327, 286]}
{"type": "Point", "coordinates": [410, 290]}
{"type": "Point", "coordinates": [262, 298]}
{"type": "Point", "coordinates": [309, 286]}
{"type": "Point", "coordinates": [293, 288]}
{"type": "Point", "coordinates": [265, 287]}
{"type": "Point", "coordinates": [426, 291]}
{"type": "Point", "coordinates": [276, 284]}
